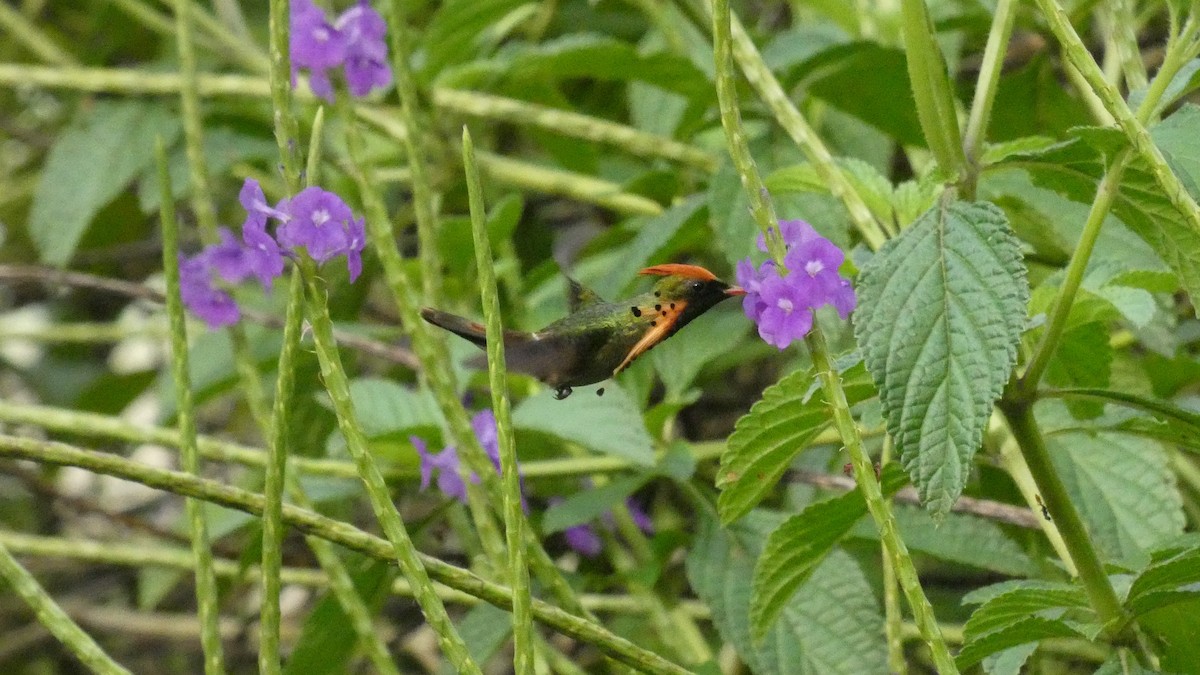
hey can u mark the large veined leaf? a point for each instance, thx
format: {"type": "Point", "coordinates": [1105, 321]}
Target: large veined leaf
{"type": "Point", "coordinates": [766, 440]}
{"type": "Point", "coordinates": [795, 548]}
{"type": "Point", "coordinates": [1176, 579]}
{"type": "Point", "coordinates": [1123, 488]}
{"type": "Point", "coordinates": [831, 626]}
{"type": "Point", "coordinates": [103, 150]}
{"type": "Point", "coordinates": [941, 309]}
{"type": "Point", "coordinates": [610, 424]}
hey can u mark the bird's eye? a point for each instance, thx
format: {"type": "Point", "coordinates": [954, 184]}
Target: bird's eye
{"type": "Point", "coordinates": [696, 285]}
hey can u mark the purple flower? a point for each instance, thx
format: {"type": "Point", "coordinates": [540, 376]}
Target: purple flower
{"type": "Point", "coordinates": [258, 256]}
{"type": "Point", "coordinates": [483, 423]}
{"type": "Point", "coordinates": [584, 540]}
{"type": "Point", "coordinates": [783, 306]}
{"type": "Point", "coordinates": [213, 305]}
{"type": "Point", "coordinates": [354, 42]}
{"type": "Point", "coordinates": [323, 224]}
{"type": "Point", "coordinates": [639, 516]}
{"type": "Point", "coordinates": [366, 54]}
{"type": "Point", "coordinates": [449, 480]}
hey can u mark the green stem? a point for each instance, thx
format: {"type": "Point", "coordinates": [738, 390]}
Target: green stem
{"type": "Point", "coordinates": [273, 482]}
{"type": "Point", "coordinates": [27, 33]}
{"type": "Point", "coordinates": [1114, 104]}
{"type": "Point", "coordinates": [338, 532]}
{"type": "Point", "coordinates": [287, 133]}
{"type": "Point", "coordinates": [594, 129]}
{"type": "Point", "coordinates": [772, 93]}
{"type": "Point", "coordinates": [423, 196]}
{"type": "Point", "coordinates": [1106, 193]}
{"type": "Point", "coordinates": [1014, 465]}
{"type": "Point", "coordinates": [735, 134]}
{"type": "Point", "coordinates": [1065, 516]}
{"type": "Point", "coordinates": [893, 618]}
{"type": "Point", "coordinates": [985, 90]}
{"type": "Point", "coordinates": [50, 615]}
{"type": "Point", "coordinates": [881, 513]}
{"type": "Point", "coordinates": [555, 181]}
{"type": "Point", "coordinates": [193, 125]}
{"type": "Point", "coordinates": [206, 583]}
{"type": "Point", "coordinates": [338, 387]}
{"type": "Point", "coordinates": [514, 522]}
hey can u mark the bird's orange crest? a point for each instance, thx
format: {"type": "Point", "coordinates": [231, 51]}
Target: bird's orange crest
{"type": "Point", "coordinates": [677, 269]}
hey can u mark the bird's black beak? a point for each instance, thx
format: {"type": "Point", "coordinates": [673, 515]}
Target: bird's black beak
{"type": "Point", "coordinates": [734, 291]}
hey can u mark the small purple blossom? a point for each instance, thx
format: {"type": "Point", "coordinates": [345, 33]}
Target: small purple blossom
{"type": "Point", "coordinates": [354, 42]}
{"type": "Point", "coordinates": [324, 225]}
{"type": "Point", "coordinates": [584, 540]}
{"type": "Point", "coordinates": [783, 306]}
{"type": "Point", "coordinates": [213, 305]}
{"type": "Point", "coordinates": [583, 537]}
{"type": "Point", "coordinates": [449, 480]}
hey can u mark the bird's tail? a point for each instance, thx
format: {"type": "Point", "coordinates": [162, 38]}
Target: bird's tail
{"type": "Point", "coordinates": [465, 328]}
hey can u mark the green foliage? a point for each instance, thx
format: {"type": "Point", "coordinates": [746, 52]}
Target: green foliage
{"type": "Point", "coordinates": [831, 625]}
{"type": "Point", "coordinates": [940, 311]}
{"type": "Point", "coordinates": [325, 643]}
{"type": "Point", "coordinates": [778, 427]}
{"type": "Point", "coordinates": [609, 424]}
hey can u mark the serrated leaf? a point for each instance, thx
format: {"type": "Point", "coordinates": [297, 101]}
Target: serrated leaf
{"type": "Point", "coordinates": [1167, 582]}
{"type": "Point", "coordinates": [611, 424]}
{"type": "Point", "coordinates": [795, 548]}
{"type": "Point", "coordinates": [831, 626]}
{"type": "Point", "coordinates": [1122, 487]}
{"type": "Point", "coordinates": [777, 428]}
{"type": "Point", "coordinates": [1083, 358]}
{"type": "Point", "coordinates": [1026, 612]}
{"type": "Point", "coordinates": [941, 310]}
{"type": "Point", "coordinates": [107, 145]}
{"type": "Point", "coordinates": [959, 538]}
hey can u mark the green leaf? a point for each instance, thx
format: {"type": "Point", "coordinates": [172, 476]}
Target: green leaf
{"type": "Point", "coordinates": [223, 147]}
{"type": "Point", "coordinates": [795, 548]}
{"type": "Point", "coordinates": [611, 424]}
{"type": "Point", "coordinates": [1123, 488]}
{"type": "Point", "coordinates": [873, 187]}
{"type": "Point", "coordinates": [485, 629]}
{"type": "Point", "coordinates": [653, 234]}
{"type": "Point", "coordinates": [831, 626]}
{"type": "Point", "coordinates": [931, 87]}
{"type": "Point", "coordinates": [1176, 579]}
{"type": "Point", "coordinates": [709, 336]}
{"type": "Point", "coordinates": [326, 642]}
{"type": "Point", "coordinates": [1083, 359]}
{"type": "Point", "coordinates": [959, 538]}
{"type": "Point", "coordinates": [1027, 612]}
{"type": "Point", "coordinates": [790, 414]}
{"type": "Point", "coordinates": [941, 310]}
{"type": "Point", "coordinates": [106, 146]}
{"type": "Point", "coordinates": [585, 506]}
{"type": "Point", "coordinates": [1174, 630]}
{"type": "Point", "coordinates": [386, 408]}
{"type": "Point", "coordinates": [458, 30]}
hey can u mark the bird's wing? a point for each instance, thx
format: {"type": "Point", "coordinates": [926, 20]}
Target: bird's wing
{"type": "Point", "coordinates": [663, 320]}
{"type": "Point", "coordinates": [580, 296]}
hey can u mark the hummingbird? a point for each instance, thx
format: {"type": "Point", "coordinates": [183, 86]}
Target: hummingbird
{"type": "Point", "coordinates": [598, 339]}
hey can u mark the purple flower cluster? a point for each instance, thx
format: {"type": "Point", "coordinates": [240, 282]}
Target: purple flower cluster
{"type": "Point", "coordinates": [316, 220]}
{"type": "Point", "coordinates": [583, 537]}
{"type": "Point", "coordinates": [449, 478]}
{"type": "Point", "coordinates": [354, 42]}
{"type": "Point", "coordinates": [783, 306]}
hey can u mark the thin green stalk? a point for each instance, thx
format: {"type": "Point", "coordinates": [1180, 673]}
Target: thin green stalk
{"type": "Point", "coordinates": [206, 583]}
{"type": "Point", "coordinates": [335, 531]}
{"type": "Point", "coordinates": [312, 167]}
{"type": "Point", "coordinates": [934, 96]}
{"type": "Point", "coordinates": [1066, 517]}
{"type": "Point", "coordinates": [735, 134]}
{"type": "Point", "coordinates": [338, 387]}
{"type": "Point", "coordinates": [1125, 44]}
{"type": "Point", "coordinates": [193, 125]}
{"type": "Point", "coordinates": [439, 376]}
{"type": "Point", "coordinates": [594, 129]}
{"type": "Point", "coordinates": [178, 558]}
{"type": "Point", "coordinates": [881, 513]}
{"type": "Point", "coordinates": [24, 31]}
{"type": "Point", "coordinates": [50, 615]}
{"type": "Point", "coordinates": [232, 45]}
{"type": "Point", "coordinates": [514, 522]}
{"type": "Point", "coordinates": [1106, 193]}
{"type": "Point", "coordinates": [893, 618]}
{"type": "Point", "coordinates": [985, 90]}
{"type": "Point", "coordinates": [156, 21]}
{"type": "Point", "coordinates": [555, 181]}
{"type": "Point", "coordinates": [1115, 105]}
{"type": "Point", "coordinates": [1014, 465]}
{"type": "Point", "coordinates": [274, 480]}
{"type": "Point", "coordinates": [760, 77]}
{"type": "Point", "coordinates": [422, 187]}
{"type": "Point", "coordinates": [287, 132]}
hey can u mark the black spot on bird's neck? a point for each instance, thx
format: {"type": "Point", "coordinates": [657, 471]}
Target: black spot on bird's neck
{"type": "Point", "coordinates": [657, 308]}
{"type": "Point", "coordinates": [653, 323]}
{"type": "Point", "coordinates": [672, 305]}
{"type": "Point", "coordinates": [636, 311]}
{"type": "Point", "coordinates": [657, 294]}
